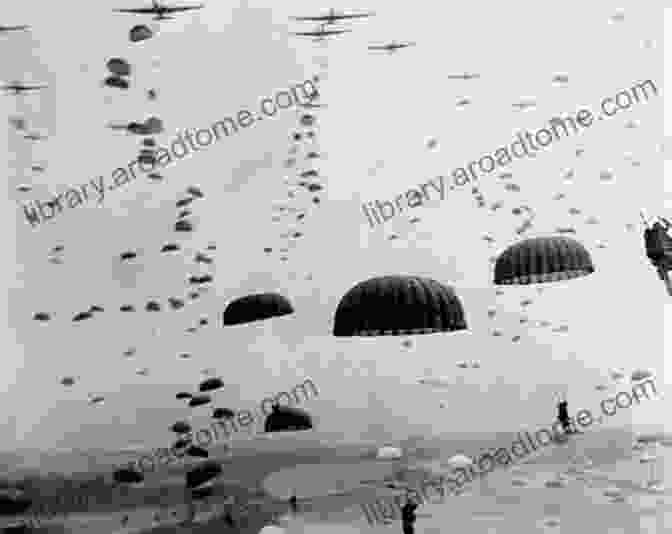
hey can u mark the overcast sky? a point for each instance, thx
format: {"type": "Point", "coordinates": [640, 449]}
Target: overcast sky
{"type": "Point", "coordinates": [382, 109]}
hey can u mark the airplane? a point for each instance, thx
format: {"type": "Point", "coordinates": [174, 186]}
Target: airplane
{"type": "Point", "coordinates": [19, 87]}
{"type": "Point", "coordinates": [4, 29]}
{"type": "Point", "coordinates": [321, 33]}
{"type": "Point", "coordinates": [391, 47]}
{"type": "Point", "coordinates": [158, 10]}
{"type": "Point", "coordinates": [333, 16]}
{"type": "Point", "coordinates": [465, 76]}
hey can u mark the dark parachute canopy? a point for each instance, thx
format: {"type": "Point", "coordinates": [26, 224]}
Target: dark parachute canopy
{"type": "Point", "coordinates": [181, 427]}
{"type": "Point", "coordinates": [199, 400]}
{"type": "Point", "coordinates": [116, 81]}
{"type": "Point", "coordinates": [183, 395]}
{"type": "Point", "coordinates": [287, 419]}
{"type": "Point", "coordinates": [256, 308]}
{"type": "Point", "coordinates": [128, 476]}
{"type": "Point", "coordinates": [139, 33]}
{"type": "Point", "coordinates": [210, 384]}
{"type": "Point", "coordinates": [203, 473]}
{"type": "Point", "coordinates": [543, 259]}
{"type": "Point", "coordinates": [398, 305]}
{"type": "Point", "coordinates": [119, 66]}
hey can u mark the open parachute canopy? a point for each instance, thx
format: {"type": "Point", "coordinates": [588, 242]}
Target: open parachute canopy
{"type": "Point", "coordinates": [398, 305]}
{"type": "Point", "coordinates": [210, 384]}
{"type": "Point", "coordinates": [139, 33]}
{"type": "Point", "coordinates": [199, 400]}
{"type": "Point", "coordinates": [119, 66]}
{"type": "Point", "coordinates": [256, 307]}
{"type": "Point", "coordinates": [181, 427]}
{"type": "Point", "coordinates": [542, 259]}
{"type": "Point", "coordinates": [287, 419]}
{"type": "Point", "coordinates": [203, 473]}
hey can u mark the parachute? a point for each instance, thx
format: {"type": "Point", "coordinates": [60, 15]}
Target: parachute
{"type": "Point", "coordinates": [256, 307]}
{"type": "Point", "coordinates": [199, 400]}
{"type": "Point", "coordinates": [210, 384]}
{"type": "Point", "coordinates": [398, 305]}
{"type": "Point", "coordinates": [139, 33]}
{"type": "Point", "coordinates": [181, 427]}
{"type": "Point", "coordinates": [542, 259]}
{"type": "Point", "coordinates": [116, 81]}
{"type": "Point", "coordinates": [203, 473]}
{"type": "Point", "coordinates": [287, 419]}
{"type": "Point", "coordinates": [119, 66]}
{"type": "Point", "coordinates": [128, 476]}
{"type": "Point", "coordinates": [183, 395]}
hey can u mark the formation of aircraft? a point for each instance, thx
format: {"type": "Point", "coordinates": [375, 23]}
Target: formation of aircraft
{"type": "Point", "coordinates": [321, 33]}
{"type": "Point", "coordinates": [391, 47]}
{"type": "Point", "coordinates": [18, 87]}
{"type": "Point", "coordinates": [465, 76]}
{"type": "Point", "coordinates": [333, 16]}
{"type": "Point", "coordinates": [21, 27]}
{"type": "Point", "coordinates": [160, 11]}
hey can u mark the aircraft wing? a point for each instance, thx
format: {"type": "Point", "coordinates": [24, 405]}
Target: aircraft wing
{"type": "Point", "coordinates": [13, 28]}
{"type": "Point", "coordinates": [182, 8]}
{"type": "Point", "coordinates": [317, 18]}
{"type": "Point", "coordinates": [320, 33]}
{"type": "Point", "coordinates": [378, 48]}
{"type": "Point", "coordinates": [137, 10]}
{"type": "Point", "coordinates": [354, 16]}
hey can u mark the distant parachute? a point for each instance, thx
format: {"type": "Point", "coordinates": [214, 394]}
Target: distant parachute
{"type": "Point", "coordinates": [307, 120]}
{"type": "Point", "coordinates": [256, 307]}
{"type": "Point", "coordinates": [398, 305]}
{"type": "Point", "coordinates": [128, 476]}
{"type": "Point", "coordinates": [287, 419]}
{"type": "Point", "coordinates": [139, 33]}
{"type": "Point", "coordinates": [81, 316]}
{"type": "Point", "coordinates": [67, 381]}
{"type": "Point", "coordinates": [181, 427]}
{"type": "Point", "coordinates": [199, 400]}
{"type": "Point", "coordinates": [152, 306]}
{"type": "Point", "coordinates": [119, 66]}
{"type": "Point", "coordinates": [211, 384]}
{"type": "Point", "coordinates": [41, 316]}
{"type": "Point", "coordinates": [117, 82]}
{"type": "Point", "coordinates": [183, 395]}
{"type": "Point", "coordinates": [542, 259]}
{"type": "Point", "coordinates": [203, 473]}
